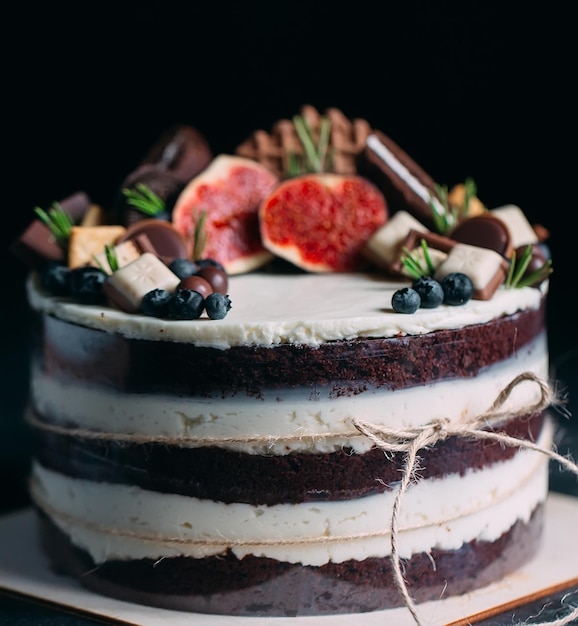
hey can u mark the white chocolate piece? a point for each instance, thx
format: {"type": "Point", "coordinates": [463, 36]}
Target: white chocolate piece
{"type": "Point", "coordinates": [129, 284]}
{"type": "Point", "coordinates": [480, 264]}
{"type": "Point", "coordinates": [521, 230]}
{"type": "Point", "coordinates": [384, 246]}
{"type": "Point", "coordinates": [437, 257]}
{"type": "Point", "coordinates": [126, 252]}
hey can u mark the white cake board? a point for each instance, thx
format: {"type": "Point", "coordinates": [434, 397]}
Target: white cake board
{"type": "Point", "coordinates": [23, 569]}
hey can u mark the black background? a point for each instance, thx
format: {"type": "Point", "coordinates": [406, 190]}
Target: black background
{"type": "Point", "coordinates": [476, 89]}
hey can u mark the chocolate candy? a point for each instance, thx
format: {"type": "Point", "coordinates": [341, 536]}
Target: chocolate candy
{"type": "Point", "coordinates": [438, 246]}
{"type": "Point", "coordinates": [217, 278]}
{"type": "Point", "coordinates": [486, 268]}
{"type": "Point", "coordinates": [182, 151]}
{"type": "Point", "coordinates": [279, 149]}
{"type": "Point", "coordinates": [403, 182]}
{"type": "Point", "coordinates": [36, 245]}
{"type": "Point", "coordinates": [128, 285]}
{"type": "Point", "coordinates": [196, 283]}
{"type": "Point", "coordinates": [485, 231]}
{"type": "Point", "coordinates": [167, 242]}
{"type": "Point", "coordinates": [162, 183]}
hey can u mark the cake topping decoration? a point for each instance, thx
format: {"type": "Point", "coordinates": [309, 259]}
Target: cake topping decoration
{"type": "Point", "coordinates": [57, 221]}
{"type": "Point", "coordinates": [320, 222]}
{"type": "Point", "coordinates": [528, 267]}
{"type": "Point", "coordinates": [485, 231]}
{"type": "Point", "coordinates": [230, 191]}
{"type": "Point", "coordinates": [237, 213]}
{"type": "Point", "coordinates": [144, 199]}
{"type": "Point", "coordinates": [337, 141]}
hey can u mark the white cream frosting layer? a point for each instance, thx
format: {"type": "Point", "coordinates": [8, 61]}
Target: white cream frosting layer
{"type": "Point", "coordinates": [123, 522]}
{"type": "Point", "coordinates": [308, 309]}
{"type": "Point", "coordinates": [286, 420]}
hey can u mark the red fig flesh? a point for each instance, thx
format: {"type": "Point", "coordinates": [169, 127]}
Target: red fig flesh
{"type": "Point", "coordinates": [229, 191]}
{"type": "Point", "coordinates": [320, 222]}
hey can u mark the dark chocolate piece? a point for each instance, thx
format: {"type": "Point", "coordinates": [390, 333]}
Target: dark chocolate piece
{"type": "Point", "coordinates": [265, 479]}
{"type": "Point", "coordinates": [36, 245]}
{"type": "Point", "coordinates": [485, 231]}
{"type": "Point", "coordinates": [162, 183]}
{"type": "Point", "coordinates": [404, 183]}
{"type": "Point", "coordinates": [181, 150]}
{"type": "Point", "coordinates": [167, 243]}
{"type": "Point", "coordinates": [76, 205]}
{"type": "Point", "coordinates": [413, 241]}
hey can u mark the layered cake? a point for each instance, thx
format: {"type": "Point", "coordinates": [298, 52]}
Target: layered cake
{"type": "Point", "coordinates": [332, 432]}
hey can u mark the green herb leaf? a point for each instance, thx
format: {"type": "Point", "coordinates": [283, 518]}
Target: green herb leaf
{"type": "Point", "coordinates": [143, 198]}
{"type": "Point", "coordinates": [444, 216]}
{"type": "Point", "coordinates": [111, 257]}
{"type": "Point", "coordinates": [414, 264]}
{"type": "Point", "coordinates": [200, 235]}
{"type": "Point", "coordinates": [317, 154]}
{"type": "Point", "coordinates": [516, 279]}
{"type": "Point", "coordinates": [58, 221]}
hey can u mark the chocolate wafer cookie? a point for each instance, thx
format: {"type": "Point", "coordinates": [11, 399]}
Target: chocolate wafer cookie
{"type": "Point", "coordinates": [280, 149]}
{"type": "Point", "coordinates": [405, 184]}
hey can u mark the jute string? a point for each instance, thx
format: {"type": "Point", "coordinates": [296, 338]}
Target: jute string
{"type": "Point", "coordinates": [408, 440]}
{"type": "Point", "coordinates": [412, 440]}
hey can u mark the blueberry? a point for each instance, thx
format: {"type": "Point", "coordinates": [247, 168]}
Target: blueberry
{"type": "Point", "coordinates": [430, 292]}
{"type": "Point", "coordinates": [458, 288]}
{"type": "Point", "coordinates": [55, 278]}
{"type": "Point", "coordinates": [86, 284]}
{"type": "Point", "coordinates": [217, 305]}
{"type": "Point", "coordinates": [405, 300]}
{"type": "Point", "coordinates": [183, 268]}
{"type": "Point", "coordinates": [209, 262]}
{"type": "Point", "coordinates": [185, 304]}
{"type": "Point", "coordinates": [155, 303]}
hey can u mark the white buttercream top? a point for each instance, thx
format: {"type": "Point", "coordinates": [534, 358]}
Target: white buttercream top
{"type": "Point", "coordinates": [310, 309]}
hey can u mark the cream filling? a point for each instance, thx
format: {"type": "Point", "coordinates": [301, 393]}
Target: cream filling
{"type": "Point", "coordinates": [285, 420]}
{"type": "Point", "coordinates": [309, 309]}
{"type": "Point", "coordinates": [126, 522]}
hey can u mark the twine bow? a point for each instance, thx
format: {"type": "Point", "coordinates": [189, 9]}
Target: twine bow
{"type": "Point", "coordinates": [413, 439]}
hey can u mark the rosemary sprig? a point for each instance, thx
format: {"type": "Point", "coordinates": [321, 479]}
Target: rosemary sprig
{"type": "Point", "coordinates": [200, 236]}
{"type": "Point", "coordinates": [58, 221]}
{"type": "Point", "coordinates": [111, 259]}
{"type": "Point", "coordinates": [317, 155]}
{"type": "Point", "coordinates": [444, 216]}
{"type": "Point", "coordinates": [516, 279]}
{"type": "Point", "coordinates": [143, 198]}
{"type": "Point", "coordinates": [417, 265]}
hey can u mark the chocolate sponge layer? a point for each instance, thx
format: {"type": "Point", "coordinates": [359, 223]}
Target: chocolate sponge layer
{"type": "Point", "coordinates": [231, 476]}
{"type": "Point", "coordinates": [255, 586]}
{"type": "Point", "coordinates": [333, 369]}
